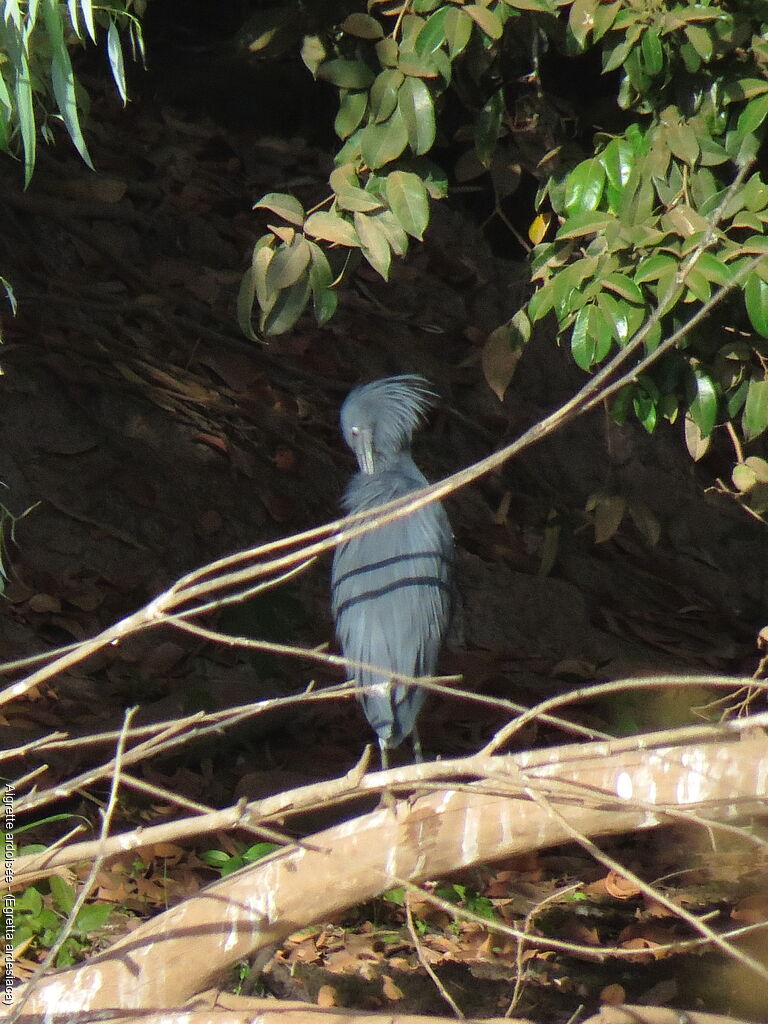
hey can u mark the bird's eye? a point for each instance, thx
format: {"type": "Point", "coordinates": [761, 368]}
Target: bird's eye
{"type": "Point", "coordinates": [355, 431]}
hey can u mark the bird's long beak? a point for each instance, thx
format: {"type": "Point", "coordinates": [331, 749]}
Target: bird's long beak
{"type": "Point", "coordinates": [364, 452]}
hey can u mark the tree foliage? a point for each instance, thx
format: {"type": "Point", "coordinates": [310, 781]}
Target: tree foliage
{"type": "Point", "coordinates": [656, 213]}
{"type": "Point", "coordinates": [37, 81]}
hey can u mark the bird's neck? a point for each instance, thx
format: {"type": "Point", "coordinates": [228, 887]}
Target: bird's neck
{"type": "Point", "coordinates": [401, 460]}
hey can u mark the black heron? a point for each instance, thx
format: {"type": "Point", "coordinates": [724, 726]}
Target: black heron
{"type": "Point", "coordinates": [391, 586]}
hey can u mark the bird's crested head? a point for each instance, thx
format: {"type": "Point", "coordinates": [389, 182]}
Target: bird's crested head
{"type": "Point", "coordinates": [378, 419]}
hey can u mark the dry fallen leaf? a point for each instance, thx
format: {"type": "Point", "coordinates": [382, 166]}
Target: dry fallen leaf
{"type": "Point", "coordinates": [390, 989]}
{"type": "Point", "coordinates": [751, 909]}
{"type": "Point", "coordinates": [327, 996]}
{"type": "Point", "coordinates": [613, 995]}
{"type": "Point", "coordinates": [619, 887]}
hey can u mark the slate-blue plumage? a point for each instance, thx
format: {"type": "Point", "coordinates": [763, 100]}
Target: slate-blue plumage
{"type": "Point", "coordinates": [391, 586]}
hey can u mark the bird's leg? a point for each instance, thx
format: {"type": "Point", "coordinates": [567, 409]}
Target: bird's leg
{"type": "Point", "coordinates": [387, 799]}
{"type": "Point", "coordinates": [418, 756]}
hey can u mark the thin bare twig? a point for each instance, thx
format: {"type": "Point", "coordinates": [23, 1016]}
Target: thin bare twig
{"type": "Point", "coordinates": [444, 993]}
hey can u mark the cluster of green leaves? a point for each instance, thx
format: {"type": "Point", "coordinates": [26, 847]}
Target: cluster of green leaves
{"type": "Point", "coordinates": [38, 918]}
{"type": "Point", "coordinates": [451, 892]}
{"type": "Point", "coordinates": [225, 863]}
{"type": "Point", "coordinates": [615, 226]}
{"type": "Point", "coordinates": [389, 83]}
{"type": "Point", "coordinates": [37, 82]}
{"type": "Point", "coordinates": [630, 215]}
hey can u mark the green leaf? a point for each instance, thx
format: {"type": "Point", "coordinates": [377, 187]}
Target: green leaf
{"type": "Point", "coordinates": [432, 36]}
{"type": "Point", "coordinates": [615, 56]}
{"type": "Point", "coordinates": [287, 207]}
{"type": "Point", "coordinates": [356, 199]}
{"type": "Point", "coordinates": [22, 93]}
{"type": "Point", "coordinates": [346, 74]}
{"type": "Point", "coordinates": [92, 917]}
{"type": "Point", "coordinates": [262, 257]}
{"type": "Point", "coordinates": [287, 308]}
{"type": "Point", "coordinates": [116, 60]}
{"type": "Point", "coordinates": [617, 158]}
{"type": "Point", "coordinates": [652, 268]}
{"type": "Point", "coordinates": [591, 337]}
{"type": "Point", "coordinates": [754, 419]}
{"type": "Point", "coordinates": [701, 40]}
{"type": "Point", "coordinates": [754, 244]}
{"type": "Point", "coordinates": [581, 20]}
{"type": "Point", "coordinates": [624, 287]}
{"type": "Point", "coordinates": [374, 244]}
{"type": "Point", "coordinates": [754, 194]}
{"type": "Point", "coordinates": [363, 26]}
{"type": "Point", "coordinates": [390, 227]}
{"type": "Point", "coordinates": [584, 186]}
{"type": "Point", "coordinates": [653, 55]}
{"type": "Point", "coordinates": [488, 126]}
{"type": "Point", "coordinates": [245, 299]}
{"type": "Point", "coordinates": [585, 223]}
{"type": "Point", "coordinates": [64, 895]}
{"type": "Point", "coordinates": [407, 198]}
{"type": "Point", "coordinates": [388, 52]}
{"type": "Point", "coordinates": [644, 403]}
{"type": "Point", "coordinates": [313, 53]}
{"type": "Point", "coordinates": [544, 6]}
{"type": "Point", "coordinates": [344, 176]}
{"type": "Point", "coordinates": [711, 153]}
{"type": "Point", "coordinates": [351, 112]}
{"type": "Point", "coordinates": [418, 110]}
{"type": "Point", "coordinates": [86, 8]}
{"type": "Point", "coordinates": [736, 399]}
{"type": "Point", "coordinates": [457, 26]}
{"type": "Point", "coordinates": [324, 298]}
{"type": "Point", "coordinates": [415, 66]}
{"type": "Point", "coordinates": [744, 478]}
{"type": "Point", "coordinates": [258, 851]}
{"type": "Point", "coordinates": [384, 93]}
{"type": "Point", "coordinates": [433, 176]}
{"type": "Point", "coordinates": [331, 228]}
{"type": "Point", "coordinates": [622, 318]}
{"type": "Point", "coordinates": [702, 402]}
{"type": "Point", "coordinates": [683, 220]}
{"type": "Point", "coordinates": [752, 116]}
{"type": "Point", "coordinates": [486, 20]}
{"type": "Point", "coordinates": [288, 264]}
{"type": "Point", "coordinates": [697, 285]}
{"type": "Point", "coordinates": [756, 301]}
{"type": "Point", "coordinates": [63, 78]}
{"type": "Point", "coordinates": [350, 151]}
{"type": "Point", "coordinates": [541, 302]}
{"type": "Point", "coordinates": [683, 142]}
{"type": "Point", "coordinates": [382, 143]}
{"type": "Point", "coordinates": [744, 89]}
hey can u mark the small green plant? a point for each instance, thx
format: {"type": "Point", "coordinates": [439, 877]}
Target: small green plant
{"type": "Point", "coordinates": [226, 863]}
{"type": "Point", "coordinates": [38, 918]}
{"type": "Point", "coordinates": [454, 893]}
{"type": "Point", "coordinates": [463, 897]}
